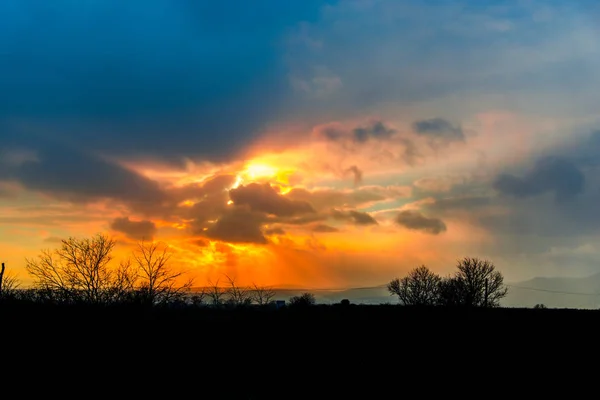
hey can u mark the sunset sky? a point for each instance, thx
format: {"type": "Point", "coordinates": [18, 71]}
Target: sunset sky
{"type": "Point", "coordinates": [306, 143]}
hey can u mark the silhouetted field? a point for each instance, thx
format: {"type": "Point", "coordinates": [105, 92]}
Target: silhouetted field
{"type": "Point", "coordinates": [305, 352]}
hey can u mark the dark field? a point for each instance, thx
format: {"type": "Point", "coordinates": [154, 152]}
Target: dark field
{"type": "Point", "coordinates": [322, 351]}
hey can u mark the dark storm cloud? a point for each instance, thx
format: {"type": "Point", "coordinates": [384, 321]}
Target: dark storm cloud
{"type": "Point", "coordinates": [274, 231]}
{"type": "Point", "coordinates": [264, 198]}
{"type": "Point", "coordinates": [238, 225]}
{"type": "Point", "coordinates": [137, 230]}
{"type": "Point", "coordinates": [550, 174]}
{"type": "Point", "coordinates": [438, 131]}
{"type": "Point", "coordinates": [167, 79]}
{"type": "Point", "coordinates": [357, 217]}
{"type": "Point", "coordinates": [69, 173]}
{"type": "Point", "coordinates": [216, 185]}
{"type": "Point", "coordinates": [414, 220]}
{"type": "Point", "coordinates": [375, 130]}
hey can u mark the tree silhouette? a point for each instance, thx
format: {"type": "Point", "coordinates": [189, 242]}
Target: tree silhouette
{"type": "Point", "coordinates": [419, 288]}
{"type": "Point", "coordinates": [8, 283]}
{"type": "Point", "coordinates": [475, 284]}
{"type": "Point", "coordinates": [236, 295]}
{"type": "Point", "coordinates": [79, 270]}
{"type": "Point", "coordinates": [215, 293]}
{"type": "Point", "coordinates": [262, 295]}
{"type": "Point", "coordinates": [304, 300]}
{"type": "Point", "coordinates": [157, 280]}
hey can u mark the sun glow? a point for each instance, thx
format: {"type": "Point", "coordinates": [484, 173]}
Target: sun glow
{"type": "Point", "coordinates": [259, 171]}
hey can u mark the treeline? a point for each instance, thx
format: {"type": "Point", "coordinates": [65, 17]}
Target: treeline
{"type": "Point", "coordinates": [476, 283]}
{"type": "Point", "coordinates": [81, 271]}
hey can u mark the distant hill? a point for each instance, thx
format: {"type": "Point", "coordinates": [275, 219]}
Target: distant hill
{"type": "Point", "coordinates": [583, 293]}
{"type": "Point", "coordinates": [555, 292]}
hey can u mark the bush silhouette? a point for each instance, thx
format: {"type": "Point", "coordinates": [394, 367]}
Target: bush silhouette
{"type": "Point", "coordinates": [304, 300]}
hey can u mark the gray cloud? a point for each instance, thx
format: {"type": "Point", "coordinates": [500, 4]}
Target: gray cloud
{"type": "Point", "coordinates": [438, 131]}
{"type": "Point", "coordinates": [68, 173]}
{"type": "Point", "coordinates": [357, 217]}
{"type": "Point", "coordinates": [137, 230]}
{"type": "Point", "coordinates": [414, 220]}
{"type": "Point", "coordinates": [358, 174]}
{"type": "Point", "coordinates": [550, 174]}
{"type": "Point", "coordinates": [264, 198]}
{"type": "Point", "coordinates": [238, 225]}
{"type": "Point", "coordinates": [375, 130]}
{"type": "Point", "coordinates": [275, 231]}
{"type": "Point", "coordinates": [459, 203]}
{"type": "Point", "coordinates": [324, 228]}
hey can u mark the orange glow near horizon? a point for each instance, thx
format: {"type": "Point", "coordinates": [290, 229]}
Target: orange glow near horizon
{"type": "Point", "coordinates": [325, 250]}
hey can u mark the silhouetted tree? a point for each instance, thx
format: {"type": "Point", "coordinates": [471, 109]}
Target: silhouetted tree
{"type": "Point", "coordinates": [475, 284]}
{"type": "Point", "coordinates": [78, 271]}
{"type": "Point", "coordinates": [419, 288]}
{"type": "Point", "coordinates": [540, 306]}
{"type": "Point", "coordinates": [8, 283]}
{"type": "Point", "coordinates": [262, 295]}
{"type": "Point", "coordinates": [158, 282]}
{"type": "Point", "coordinates": [215, 293]}
{"type": "Point", "coordinates": [304, 300]}
{"type": "Point", "coordinates": [449, 293]}
{"type": "Point", "coordinates": [236, 295]}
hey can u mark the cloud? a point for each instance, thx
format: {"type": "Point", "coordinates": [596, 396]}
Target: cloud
{"type": "Point", "coordinates": [264, 198]}
{"type": "Point", "coordinates": [238, 225]}
{"type": "Point", "coordinates": [136, 230]}
{"type": "Point", "coordinates": [372, 130]}
{"type": "Point", "coordinates": [325, 199]}
{"type": "Point", "coordinates": [375, 130]}
{"type": "Point", "coordinates": [68, 173]}
{"type": "Point", "coordinates": [91, 73]}
{"type": "Point", "coordinates": [274, 231]}
{"type": "Point", "coordinates": [357, 217]}
{"type": "Point", "coordinates": [358, 174]}
{"type": "Point", "coordinates": [459, 203]}
{"type": "Point", "coordinates": [436, 185]}
{"type": "Point", "coordinates": [324, 228]}
{"type": "Point", "coordinates": [52, 239]}
{"type": "Point", "coordinates": [414, 220]}
{"type": "Point", "coordinates": [550, 174]}
{"type": "Point", "coordinates": [438, 131]}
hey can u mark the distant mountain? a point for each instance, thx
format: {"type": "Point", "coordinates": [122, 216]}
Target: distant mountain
{"type": "Point", "coordinates": [551, 292]}
{"type": "Point", "coordinates": [555, 292]}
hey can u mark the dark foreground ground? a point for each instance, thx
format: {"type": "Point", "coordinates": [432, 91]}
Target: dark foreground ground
{"type": "Point", "coordinates": [317, 352]}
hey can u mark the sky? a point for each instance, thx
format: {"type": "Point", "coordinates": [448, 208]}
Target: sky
{"type": "Point", "coordinates": [318, 144]}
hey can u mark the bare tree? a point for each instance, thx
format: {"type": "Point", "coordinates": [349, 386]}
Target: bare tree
{"type": "Point", "coordinates": [215, 293]}
{"type": "Point", "coordinates": [475, 284]}
{"type": "Point", "coordinates": [8, 283]}
{"type": "Point", "coordinates": [419, 288]}
{"type": "Point", "coordinates": [158, 281]}
{"type": "Point", "coordinates": [262, 295]}
{"type": "Point", "coordinates": [198, 297]}
{"type": "Point", "coordinates": [79, 270]}
{"type": "Point", "coordinates": [237, 295]}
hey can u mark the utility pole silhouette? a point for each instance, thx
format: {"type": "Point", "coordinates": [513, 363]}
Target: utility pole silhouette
{"type": "Point", "coordinates": [1, 277]}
